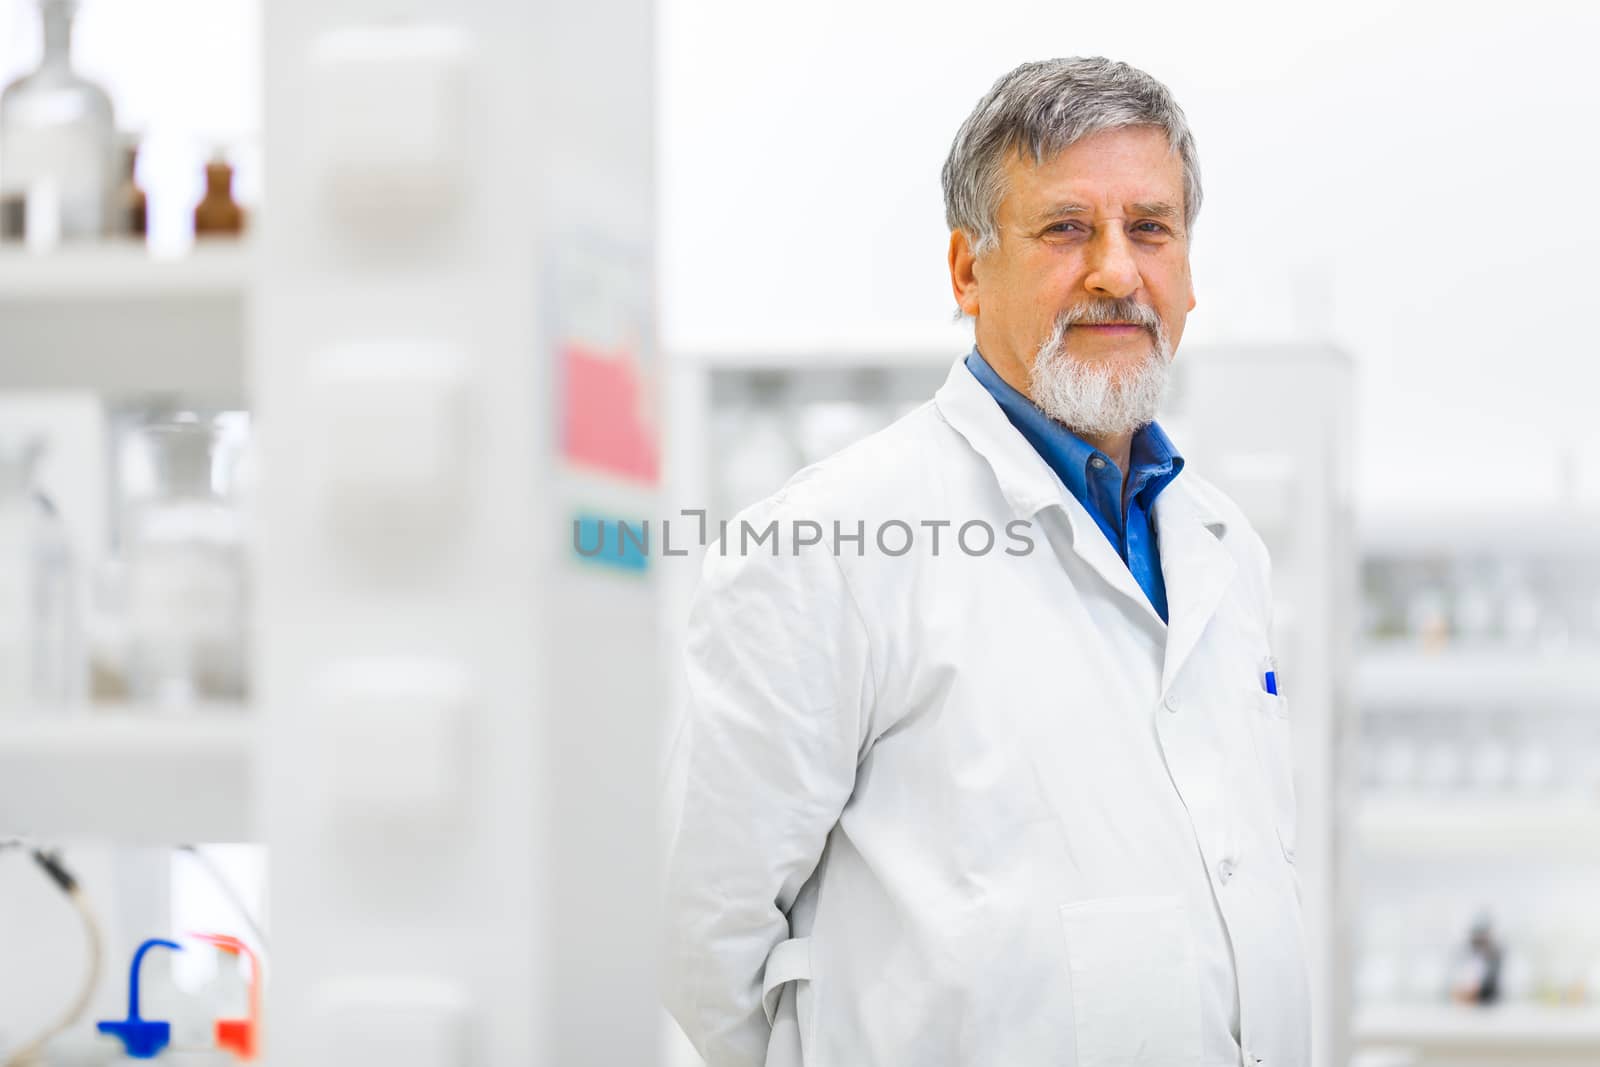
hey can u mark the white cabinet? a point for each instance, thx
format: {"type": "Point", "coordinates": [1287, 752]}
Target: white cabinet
{"type": "Point", "coordinates": [1476, 771]}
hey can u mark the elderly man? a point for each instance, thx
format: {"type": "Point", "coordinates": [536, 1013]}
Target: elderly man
{"type": "Point", "coordinates": [1001, 801]}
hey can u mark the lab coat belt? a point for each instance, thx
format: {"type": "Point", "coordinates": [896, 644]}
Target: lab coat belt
{"type": "Point", "coordinates": [789, 961]}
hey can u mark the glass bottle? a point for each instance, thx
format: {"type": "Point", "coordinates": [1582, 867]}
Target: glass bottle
{"type": "Point", "coordinates": [132, 218]}
{"type": "Point", "coordinates": [41, 665]}
{"type": "Point", "coordinates": [58, 139]}
{"type": "Point", "coordinates": [217, 215]}
{"type": "Point", "coordinates": [185, 573]}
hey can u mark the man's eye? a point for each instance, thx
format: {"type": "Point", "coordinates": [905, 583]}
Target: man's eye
{"type": "Point", "coordinates": [1154, 227]}
{"type": "Point", "coordinates": [1064, 227]}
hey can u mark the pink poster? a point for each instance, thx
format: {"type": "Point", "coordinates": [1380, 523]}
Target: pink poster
{"type": "Point", "coordinates": [604, 346]}
{"type": "Point", "coordinates": [606, 427]}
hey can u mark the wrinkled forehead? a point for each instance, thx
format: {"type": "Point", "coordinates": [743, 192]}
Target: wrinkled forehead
{"type": "Point", "coordinates": [1128, 170]}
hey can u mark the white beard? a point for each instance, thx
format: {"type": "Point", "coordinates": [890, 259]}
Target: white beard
{"type": "Point", "coordinates": [1087, 398]}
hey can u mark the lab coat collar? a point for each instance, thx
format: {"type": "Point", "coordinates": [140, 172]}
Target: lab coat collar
{"type": "Point", "coordinates": [1026, 480]}
{"type": "Point", "coordinates": [1195, 565]}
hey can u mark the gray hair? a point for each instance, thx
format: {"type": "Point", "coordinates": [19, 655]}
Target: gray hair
{"type": "Point", "coordinates": [1042, 108]}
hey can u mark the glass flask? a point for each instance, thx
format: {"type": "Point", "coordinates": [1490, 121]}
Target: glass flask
{"type": "Point", "coordinates": [58, 143]}
{"type": "Point", "coordinates": [184, 573]}
{"type": "Point", "coordinates": [41, 665]}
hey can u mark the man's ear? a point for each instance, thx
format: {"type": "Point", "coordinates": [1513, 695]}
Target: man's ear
{"type": "Point", "coordinates": [963, 272]}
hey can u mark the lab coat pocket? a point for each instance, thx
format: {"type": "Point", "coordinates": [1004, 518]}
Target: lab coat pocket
{"type": "Point", "coordinates": [1275, 753]}
{"type": "Point", "coordinates": [1135, 984]}
{"type": "Point", "coordinates": [786, 999]}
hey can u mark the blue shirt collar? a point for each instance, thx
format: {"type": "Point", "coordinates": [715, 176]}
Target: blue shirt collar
{"type": "Point", "coordinates": [1152, 457]}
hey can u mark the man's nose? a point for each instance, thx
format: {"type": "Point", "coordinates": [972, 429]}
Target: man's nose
{"type": "Point", "coordinates": [1112, 270]}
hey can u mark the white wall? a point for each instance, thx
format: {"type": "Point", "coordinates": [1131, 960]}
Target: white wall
{"type": "Point", "coordinates": [1410, 180]}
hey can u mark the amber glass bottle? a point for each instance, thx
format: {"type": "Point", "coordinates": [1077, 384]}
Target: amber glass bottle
{"type": "Point", "coordinates": [217, 215]}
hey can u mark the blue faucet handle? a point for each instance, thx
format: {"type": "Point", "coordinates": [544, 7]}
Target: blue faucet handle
{"type": "Point", "coordinates": [142, 1039]}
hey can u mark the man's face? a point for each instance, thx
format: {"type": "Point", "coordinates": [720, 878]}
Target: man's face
{"type": "Point", "coordinates": [1101, 221]}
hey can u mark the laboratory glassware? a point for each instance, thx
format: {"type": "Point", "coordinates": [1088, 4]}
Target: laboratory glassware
{"type": "Point", "coordinates": [58, 140]}
{"type": "Point", "coordinates": [185, 572]}
{"type": "Point", "coordinates": [217, 215]}
{"type": "Point", "coordinates": [40, 642]}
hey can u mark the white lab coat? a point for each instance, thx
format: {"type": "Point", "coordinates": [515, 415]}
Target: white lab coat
{"type": "Point", "coordinates": [983, 809]}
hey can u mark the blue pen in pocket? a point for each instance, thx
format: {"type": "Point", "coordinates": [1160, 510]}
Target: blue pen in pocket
{"type": "Point", "coordinates": [1269, 675]}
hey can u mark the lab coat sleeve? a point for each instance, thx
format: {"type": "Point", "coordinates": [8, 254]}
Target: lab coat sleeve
{"type": "Point", "coordinates": [780, 688]}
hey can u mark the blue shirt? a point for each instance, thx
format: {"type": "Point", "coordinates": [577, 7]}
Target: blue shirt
{"type": "Point", "coordinates": [1091, 476]}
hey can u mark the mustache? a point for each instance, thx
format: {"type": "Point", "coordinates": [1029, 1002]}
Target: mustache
{"type": "Point", "coordinates": [1105, 312]}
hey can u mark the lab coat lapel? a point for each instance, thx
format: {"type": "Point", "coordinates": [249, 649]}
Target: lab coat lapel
{"type": "Point", "coordinates": [1091, 545]}
{"type": "Point", "coordinates": [1197, 568]}
{"type": "Point", "coordinates": [1028, 483]}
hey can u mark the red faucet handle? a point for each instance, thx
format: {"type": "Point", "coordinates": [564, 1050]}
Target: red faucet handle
{"type": "Point", "coordinates": [239, 1036]}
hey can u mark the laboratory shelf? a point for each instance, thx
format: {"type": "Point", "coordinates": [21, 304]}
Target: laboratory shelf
{"type": "Point", "coordinates": [1435, 825]}
{"type": "Point", "coordinates": [1501, 1026]}
{"type": "Point", "coordinates": [112, 319]}
{"type": "Point", "coordinates": [1517, 533]}
{"type": "Point", "coordinates": [1407, 676]}
{"type": "Point", "coordinates": [116, 269]}
{"type": "Point", "coordinates": [129, 776]}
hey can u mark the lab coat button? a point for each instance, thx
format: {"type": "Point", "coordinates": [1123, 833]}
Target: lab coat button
{"type": "Point", "coordinates": [1225, 871]}
{"type": "Point", "coordinates": [1172, 703]}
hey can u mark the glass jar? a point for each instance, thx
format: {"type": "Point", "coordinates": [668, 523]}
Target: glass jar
{"type": "Point", "coordinates": [41, 648]}
{"type": "Point", "coordinates": [58, 142]}
{"type": "Point", "coordinates": [185, 572]}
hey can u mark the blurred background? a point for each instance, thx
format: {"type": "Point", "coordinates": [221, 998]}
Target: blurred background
{"type": "Point", "coordinates": [727, 219]}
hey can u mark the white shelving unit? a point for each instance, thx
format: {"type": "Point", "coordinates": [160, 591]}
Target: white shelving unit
{"type": "Point", "coordinates": [112, 320]}
{"type": "Point", "coordinates": [1520, 839]}
{"type": "Point", "coordinates": [405, 758]}
{"type": "Point", "coordinates": [1411, 677]}
{"type": "Point", "coordinates": [130, 776]}
{"type": "Point", "coordinates": [1502, 1029]}
{"type": "Point", "coordinates": [121, 270]}
{"type": "Point", "coordinates": [1550, 531]}
{"type": "Point", "coordinates": [1438, 826]}
{"type": "Point", "coordinates": [408, 758]}
{"type": "Point", "coordinates": [137, 325]}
